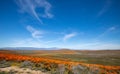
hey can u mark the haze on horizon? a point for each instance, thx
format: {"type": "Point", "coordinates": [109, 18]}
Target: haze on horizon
{"type": "Point", "coordinates": [77, 24]}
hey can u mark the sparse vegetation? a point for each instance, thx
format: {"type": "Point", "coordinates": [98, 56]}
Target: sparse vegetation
{"type": "Point", "coordinates": [55, 65]}
{"type": "Point", "coordinates": [4, 63]}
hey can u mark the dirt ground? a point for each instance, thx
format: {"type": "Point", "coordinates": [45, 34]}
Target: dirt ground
{"type": "Point", "coordinates": [20, 70]}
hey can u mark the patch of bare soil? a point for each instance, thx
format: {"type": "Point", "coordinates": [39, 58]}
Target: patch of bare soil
{"type": "Point", "coordinates": [18, 70]}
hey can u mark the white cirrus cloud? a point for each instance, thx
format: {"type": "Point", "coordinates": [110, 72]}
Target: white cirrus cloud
{"type": "Point", "coordinates": [97, 46]}
{"type": "Point", "coordinates": [107, 31]}
{"type": "Point", "coordinates": [112, 28]}
{"type": "Point", "coordinates": [31, 7]}
{"type": "Point", "coordinates": [68, 36]}
{"type": "Point", "coordinates": [105, 7]}
{"type": "Point", "coordinates": [34, 32]}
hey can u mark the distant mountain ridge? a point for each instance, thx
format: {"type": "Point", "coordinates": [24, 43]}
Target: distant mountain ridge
{"type": "Point", "coordinates": [52, 48]}
{"type": "Point", "coordinates": [28, 48]}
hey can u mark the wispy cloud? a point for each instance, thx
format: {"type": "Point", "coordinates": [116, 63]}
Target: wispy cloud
{"type": "Point", "coordinates": [68, 36]}
{"type": "Point", "coordinates": [97, 45]}
{"type": "Point", "coordinates": [107, 31]}
{"type": "Point", "coordinates": [87, 44]}
{"type": "Point", "coordinates": [34, 32]}
{"type": "Point", "coordinates": [105, 8]}
{"type": "Point", "coordinates": [53, 41]}
{"type": "Point", "coordinates": [31, 6]}
{"type": "Point", "coordinates": [107, 46]}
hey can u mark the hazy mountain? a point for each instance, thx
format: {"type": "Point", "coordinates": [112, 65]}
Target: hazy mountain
{"type": "Point", "coordinates": [28, 48]}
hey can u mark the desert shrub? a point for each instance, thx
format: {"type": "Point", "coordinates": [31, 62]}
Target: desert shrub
{"type": "Point", "coordinates": [26, 64]}
{"type": "Point", "coordinates": [78, 69]}
{"type": "Point", "coordinates": [44, 67]}
{"type": "Point", "coordinates": [28, 72]}
{"type": "Point", "coordinates": [68, 70]}
{"type": "Point", "coordinates": [53, 71]}
{"type": "Point", "coordinates": [53, 68]}
{"type": "Point", "coordinates": [87, 70]}
{"type": "Point", "coordinates": [61, 68]}
{"type": "Point", "coordinates": [94, 70]}
{"type": "Point", "coordinates": [4, 63]}
{"type": "Point", "coordinates": [15, 63]}
{"type": "Point", "coordinates": [12, 72]}
{"type": "Point", "coordinates": [39, 66]}
{"type": "Point", "coordinates": [3, 72]}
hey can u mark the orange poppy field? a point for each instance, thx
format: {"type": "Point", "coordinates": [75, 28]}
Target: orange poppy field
{"type": "Point", "coordinates": [51, 63]}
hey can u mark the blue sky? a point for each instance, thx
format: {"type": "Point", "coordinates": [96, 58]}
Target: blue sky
{"type": "Point", "coordinates": [78, 24]}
